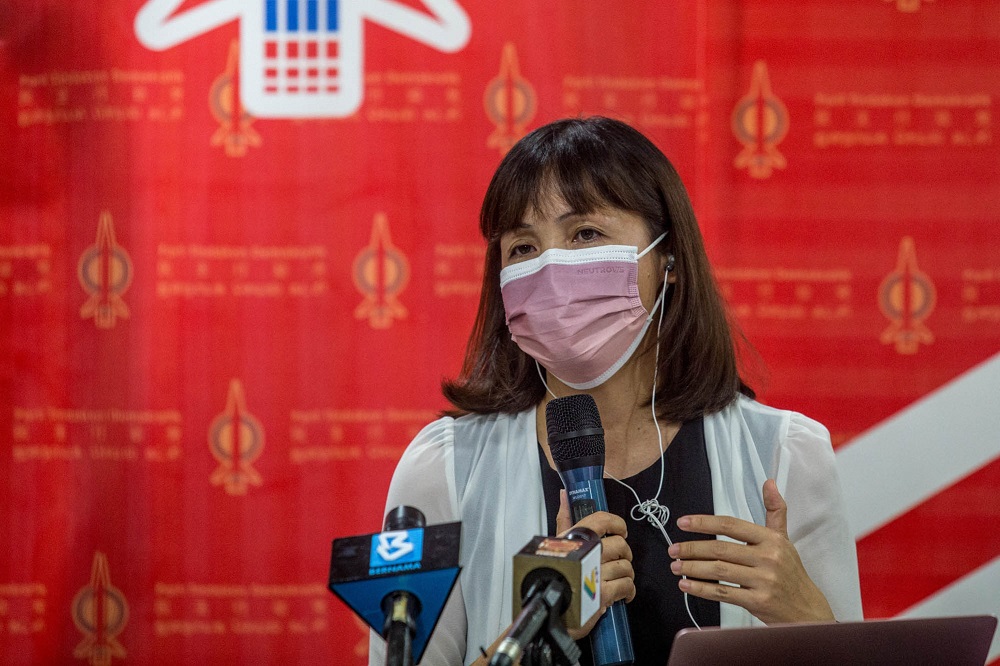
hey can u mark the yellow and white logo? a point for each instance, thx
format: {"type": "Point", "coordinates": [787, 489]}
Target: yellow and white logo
{"type": "Point", "coordinates": [590, 583]}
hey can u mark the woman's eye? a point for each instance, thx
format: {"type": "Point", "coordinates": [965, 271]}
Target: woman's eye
{"type": "Point", "coordinates": [587, 235]}
{"type": "Point", "coordinates": [520, 250]}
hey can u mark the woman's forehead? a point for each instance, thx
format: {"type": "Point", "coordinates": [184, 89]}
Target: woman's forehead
{"type": "Point", "coordinates": [551, 193]}
{"type": "Point", "coordinates": [554, 197]}
{"type": "Point", "coordinates": [549, 202]}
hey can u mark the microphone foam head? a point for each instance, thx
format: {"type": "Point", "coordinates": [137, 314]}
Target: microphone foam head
{"type": "Point", "coordinates": [404, 518]}
{"type": "Point", "coordinates": [564, 417]}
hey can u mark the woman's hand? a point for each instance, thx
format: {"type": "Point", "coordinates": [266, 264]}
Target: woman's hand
{"type": "Point", "coordinates": [617, 575]}
{"type": "Point", "coordinates": [773, 584]}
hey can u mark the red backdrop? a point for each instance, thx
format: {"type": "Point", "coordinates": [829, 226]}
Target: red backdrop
{"type": "Point", "coordinates": [239, 251]}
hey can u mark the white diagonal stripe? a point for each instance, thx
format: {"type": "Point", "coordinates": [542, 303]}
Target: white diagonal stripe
{"type": "Point", "coordinates": [936, 441]}
{"type": "Point", "coordinates": [974, 594]}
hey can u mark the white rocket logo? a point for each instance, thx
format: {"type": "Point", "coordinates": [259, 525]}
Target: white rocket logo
{"type": "Point", "coordinates": [302, 58]}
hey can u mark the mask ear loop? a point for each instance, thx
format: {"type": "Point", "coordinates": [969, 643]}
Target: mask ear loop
{"type": "Point", "coordinates": [655, 513]}
{"type": "Point", "coordinates": [651, 246]}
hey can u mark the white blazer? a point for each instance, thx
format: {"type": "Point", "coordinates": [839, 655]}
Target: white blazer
{"type": "Point", "coordinates": [484, 471]}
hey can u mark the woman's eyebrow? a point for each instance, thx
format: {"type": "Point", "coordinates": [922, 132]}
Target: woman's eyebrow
{"type": "Point", "coordinates": [522, 225]}
{"type": "Point", "coordinates": [595, 214]}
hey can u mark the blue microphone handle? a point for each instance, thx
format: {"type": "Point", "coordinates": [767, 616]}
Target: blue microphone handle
{"type": "Point", "coordinates": [611, 639]}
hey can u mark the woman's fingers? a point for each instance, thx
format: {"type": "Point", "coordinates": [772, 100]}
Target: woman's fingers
{"type": "Point", "coordinates": [714, 549]}
{"type": "Point", "coordinates": [615, 548]}
{"type": "Point", "coordinates": [724, 593]}
{"type": "Point", "coordinates": [767, 575]}
{"type": "Point", "coordinates": [617, 575]}
{"type": "Point", "coordinates": [617, 582]}
{"type": "Point", "coordinates": [563, 519]}
{"type": "Point", "coordinates": [602, 523]}
{"type": "Point", "coordinates": [734, 528]}
{"type": "Point", "coordinates": [716, 570]}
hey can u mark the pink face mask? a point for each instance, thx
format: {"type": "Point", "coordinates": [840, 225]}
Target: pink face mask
{"type": "Point", "coordinates": [577, 312]}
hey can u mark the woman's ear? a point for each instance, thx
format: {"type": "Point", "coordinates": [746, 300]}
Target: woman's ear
{"type": "Point", "coordinates": [668, 266]}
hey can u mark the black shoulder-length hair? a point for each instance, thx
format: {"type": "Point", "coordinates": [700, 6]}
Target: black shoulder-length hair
{"type": "Point", "coordinates": [598, 163]}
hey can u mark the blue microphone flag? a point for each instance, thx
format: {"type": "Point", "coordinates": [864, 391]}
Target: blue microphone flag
{"type": "Point", "coordinates": [422, 561]}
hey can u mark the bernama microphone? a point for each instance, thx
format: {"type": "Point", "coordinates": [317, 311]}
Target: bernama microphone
{"type": "Point", "coordinates": [556, 587]}
{"type": "Point", "coordinates": [576, 439]}
{"type": "Point", "coordinates": [399, 579]}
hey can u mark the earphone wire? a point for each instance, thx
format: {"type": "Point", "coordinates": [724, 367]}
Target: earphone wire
{"type": "Point", "coordinates": [541, 375]}
{"type": "Point", "coordinates": [655, 513]}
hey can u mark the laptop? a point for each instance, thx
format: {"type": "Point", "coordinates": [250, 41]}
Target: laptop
{"type": "Point", "coordinates": [955, 641]}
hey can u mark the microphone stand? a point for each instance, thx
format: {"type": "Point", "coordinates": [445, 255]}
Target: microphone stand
{"type": "Point", "coordinates": [400, 609]}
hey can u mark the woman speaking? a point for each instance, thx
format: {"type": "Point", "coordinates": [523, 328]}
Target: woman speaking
{"type": "Point", "coordinates": [722, 511]}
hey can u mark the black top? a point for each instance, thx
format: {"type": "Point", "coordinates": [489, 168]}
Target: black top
{"type": "Point", "coordinates": [657, 613]}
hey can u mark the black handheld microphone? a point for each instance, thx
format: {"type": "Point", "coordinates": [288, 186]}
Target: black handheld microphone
{"type": "Point", "coordinates": [576, 440]}
{"type": "Point", "coordinates": [556, 586]}
{"type": "Point", "coordinates": [398, 580]}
